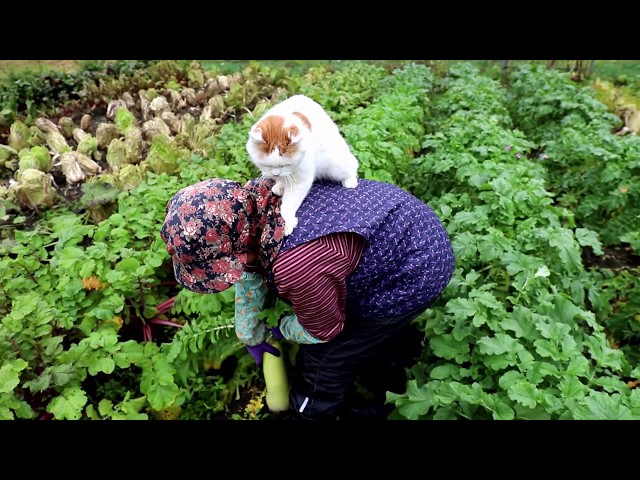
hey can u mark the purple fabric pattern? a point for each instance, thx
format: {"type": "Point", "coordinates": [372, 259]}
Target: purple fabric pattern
{"type": "Point", "coordinates": [408, 260]}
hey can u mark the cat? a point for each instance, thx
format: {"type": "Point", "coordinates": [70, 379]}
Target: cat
{"type": "Point", "coordinates": [294, 143]}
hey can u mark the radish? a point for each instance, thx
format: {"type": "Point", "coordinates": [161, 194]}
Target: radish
{"type": "Point", "coordinates": [275, 379]}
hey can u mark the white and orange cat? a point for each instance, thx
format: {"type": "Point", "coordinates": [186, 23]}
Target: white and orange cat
{"type": "Point", "coordinates": [294, 143]}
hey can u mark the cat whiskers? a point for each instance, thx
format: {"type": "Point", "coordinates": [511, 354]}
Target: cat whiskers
{"type": "Point", "coordinates": [290, 181]}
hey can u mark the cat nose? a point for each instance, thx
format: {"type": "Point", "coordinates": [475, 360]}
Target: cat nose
{"type": "Point", "coordinates": [275, 172]}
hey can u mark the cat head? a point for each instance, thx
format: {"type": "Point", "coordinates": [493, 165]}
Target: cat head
{"type": "Point", "coordinates": [277, 143]}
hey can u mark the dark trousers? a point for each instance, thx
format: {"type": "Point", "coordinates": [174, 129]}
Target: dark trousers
{"type": "Point", "coordinates": [367, 349]}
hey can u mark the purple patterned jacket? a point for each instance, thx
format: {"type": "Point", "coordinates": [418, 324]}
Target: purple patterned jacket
{"type": "Point", "coordinates": [408, 260]}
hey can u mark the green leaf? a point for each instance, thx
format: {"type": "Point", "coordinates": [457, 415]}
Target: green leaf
{"type": "Point", "coordinates": [553, 331]}
{"type": "Point", "coordinates": [155, 260]}
{"type": "Point", "coordinates": [479, 319]}
{"type": "Point", "coordinates": [512, 323]}
{"type": "Point", "coordinates": [415, 403]}
{"type": "Point", "coordinates": [500, 343]}
{"type": "Point", "coordinates": [130, 352]}
{"type": "Point", "coordinates": [97, 365]}
{"type": "Point", "coordinates": [509, 379]}
{"type": "Point", "coordinates": [98, 193]}
{"type": "Point", "coordinates": [442, 394]}
{"type": "Point", "coordinates": [499, 362]}
{"type": "Point", "coordinates": [611, 384]}
{"type": "Point", "coordinates": [546, 349]}
{"type": "Point", "coordinates": [53, 345]}
{"type": "Point", "coordinates": [571, 387]}
{"type": "Point", "coordinates": [447, 347]}
{"type": "Point", "coordinates": [524, 393]}
{"type": "Point", "coordinates": [69, 405]}
{"type": "Point", "coordinates": [161, 396]}
{"type": "Point", "coordinates": [87, 268]}
{"type": "Point", "coordinates": [128, 265]}
{"type": "Point", "coordinates": [589, 238]}
{"type": "Point", "coordinates": [464, 245]}
{"type": "Point", "coordinates": [487, 299]}
{"type": "Point", "coordinates": [564, 310]}
{"type": "Point", "coordinates": [24, 411]}
{"type": "Point", "coordinates": [130, 416]}
{"type": "Point", "coordinates": [133, 405]}
{"type": "Point", "coordinates": [63, 373]}
{"type": "Point", "coordinates": [603, 353]}
{"type": "Point", "coordinates": [601, 406]}
{"type": "Point", "coordinates": [23, 307]}
{"type": "Point", "coordinates": [445, 371]}
{"type": "Point", "coordinates": [68, 258]}
{"type": "Point", "coordinates": [40, 383]}
{"type": "Point", "coordinates": [502, 411]}
{"type": "Point", "coordinates": [6, 413]}
{"type": "Point", "coordinates": [472, 394]}
{"type": "Point", "coordinates": [105, 407]}
{"type": "Point", "coordinates": [537, 371]}
{"type": "Point", "coordinates": [526, 413]}
{"type": "Point", "coordinates": [570, 255]}
{"type": "Point", "coordinates": [9, 378]}
{"type": "Point", "coordinates": [461, 307]}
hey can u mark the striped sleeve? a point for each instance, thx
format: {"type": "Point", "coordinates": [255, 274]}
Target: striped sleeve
{"type": "Point", "coordinates": [312, 276]}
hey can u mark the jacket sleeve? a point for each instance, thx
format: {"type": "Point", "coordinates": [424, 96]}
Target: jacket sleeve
{"type": "Point", "coordinates": [251, 292]}
{"type": "Point", "coordinates": [313, 277]}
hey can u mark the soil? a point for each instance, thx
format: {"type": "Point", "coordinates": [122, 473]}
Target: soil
{"type": "Point", "coordinates": [612, 258]}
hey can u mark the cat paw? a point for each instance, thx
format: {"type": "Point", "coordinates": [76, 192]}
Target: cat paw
{"type": "Point", "coordinates": [278, 189]}
{"type": "Point", "coordinates": [350, 182]}
{"type": "Point", "coordinates": [289, 225]}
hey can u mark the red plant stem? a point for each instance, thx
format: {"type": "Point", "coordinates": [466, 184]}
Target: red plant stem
{"type": "Point", "coordinates": [146, 332]}
{"type": "Point", "coordinates": [159, 321]}
{"type": "Point", "coordinates": [166, 305]}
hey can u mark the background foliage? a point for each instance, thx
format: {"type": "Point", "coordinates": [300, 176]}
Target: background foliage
{"type": "Point", "coordinates": [526, 167]}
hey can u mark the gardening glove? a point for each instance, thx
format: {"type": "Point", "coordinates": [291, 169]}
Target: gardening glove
{"type": "Point", "coordinates": [257, 351]}
{"type": "Point", "coordinates": [251, 292]}
{"type": "Point", "coordinates": [291, 329]}
{"type": "Point", "coordinates": [277, 334]}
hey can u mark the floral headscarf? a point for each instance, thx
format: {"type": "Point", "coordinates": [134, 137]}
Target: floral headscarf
{"type": "Point", "coordinates": [211, 226]}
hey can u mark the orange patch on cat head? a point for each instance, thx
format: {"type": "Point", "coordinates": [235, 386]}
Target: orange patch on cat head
{"type": "Point", "coordinates": [305, 120]}
{"type": "Point", "coordinates": [275, 134]}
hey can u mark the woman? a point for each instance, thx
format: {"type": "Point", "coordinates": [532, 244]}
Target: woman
{"type": "Point", "coordinates": [360, 265]}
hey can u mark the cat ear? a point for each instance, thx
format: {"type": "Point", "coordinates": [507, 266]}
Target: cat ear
{"type": "Point", "coordinates": [256, 134]}
{"type": "Point", "coordinates": [294, 137]}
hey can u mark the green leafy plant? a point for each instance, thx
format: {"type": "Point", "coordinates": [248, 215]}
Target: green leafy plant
{"type": "Point", "coordinates": [512, 337]}
{"type": "Point", "coordinates": [94, 326]}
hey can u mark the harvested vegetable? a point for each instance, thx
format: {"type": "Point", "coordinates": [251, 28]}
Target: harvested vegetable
{"type": "Point", "coordinates": [276, 380]}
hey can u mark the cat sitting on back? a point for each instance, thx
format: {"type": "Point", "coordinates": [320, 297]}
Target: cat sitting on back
{"type": "Point", "coordinates": [294, 143]}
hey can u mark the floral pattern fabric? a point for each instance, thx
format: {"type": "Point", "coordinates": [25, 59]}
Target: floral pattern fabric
{"type": "Point", "coordinates": [211, 226]}
{"type": "Point", "coordinates": [251, 291]}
